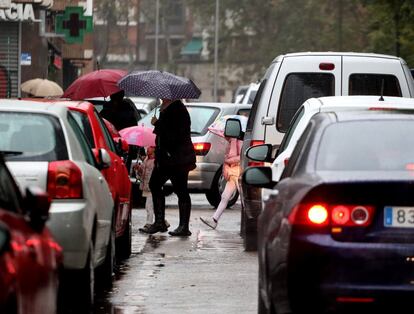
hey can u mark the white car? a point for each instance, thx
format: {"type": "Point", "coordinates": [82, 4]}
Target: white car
{"type": "Point", "coordinates": [293, 78]}
{"type": "Point", "coordinates": [44, 146]}
{"type": "Point", "coordinates": [327, 104]}
{"type": "Point", "coordinates": [250, 94]}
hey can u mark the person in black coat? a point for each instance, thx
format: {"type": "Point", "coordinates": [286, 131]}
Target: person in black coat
{"type": "Point", "coordinates": [174, 159]}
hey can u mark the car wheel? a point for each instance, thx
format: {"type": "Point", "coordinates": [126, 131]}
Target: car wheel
{"type": "Point", "coordinates": [106, 270]}
{"type": "Point", "coordinates": [217, 187]}
{"type": "Point", "coordinates": [85, 280]}
{"type": "Point", "coordinates": [124, 242]}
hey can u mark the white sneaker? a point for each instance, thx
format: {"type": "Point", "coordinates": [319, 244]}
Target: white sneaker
{"type": "Point", "coordinates": [209, 222]}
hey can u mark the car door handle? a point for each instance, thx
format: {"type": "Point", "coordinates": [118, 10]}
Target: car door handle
{"type": "Point", "coordinates": [268, 120]}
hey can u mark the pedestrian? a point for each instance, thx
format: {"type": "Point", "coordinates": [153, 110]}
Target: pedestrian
{"type": "Point", "coordinates": [144, 171]}
{"type": "Point", "coordinates": [118, 111]}
{"type": "Point", "coordinates": [174, 159]}
{"type": "Point", "coordinates": [231, 173]}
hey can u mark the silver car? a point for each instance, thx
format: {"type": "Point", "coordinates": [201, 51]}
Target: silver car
{"type": "Point", "coordinates": [44, 146]}
{"type": "Point", "coordinates": [210, 149]}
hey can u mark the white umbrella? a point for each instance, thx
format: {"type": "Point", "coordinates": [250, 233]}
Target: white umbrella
{"type": "Point", "coordinates": [42, 88]}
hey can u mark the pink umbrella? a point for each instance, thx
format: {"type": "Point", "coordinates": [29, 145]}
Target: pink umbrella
{"type": "Point", "coordinates": [138, 135]}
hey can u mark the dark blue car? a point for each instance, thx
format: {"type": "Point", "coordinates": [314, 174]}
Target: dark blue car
{"type": "Point", "coordinates": [338, 229]}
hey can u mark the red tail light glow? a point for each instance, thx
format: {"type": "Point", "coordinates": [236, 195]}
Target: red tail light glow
{"type": "Point", "coordinates": [64, 180]}
{"type": "Point", "coordinates": [326, 66]}
{"type": "Point", "coordinates": [255, 163]}
{"type": "Point", "coordinates": [334, 215]}
{"type": "Point", "coordinates": [354, 300]}
{"type": "Point", "coordinates": [201, 149]}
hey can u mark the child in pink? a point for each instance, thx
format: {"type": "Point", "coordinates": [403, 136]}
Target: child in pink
{"type": "Point", "coordinates": [231, 173]}
{"type": "Point", "coordinates": [145, 171]}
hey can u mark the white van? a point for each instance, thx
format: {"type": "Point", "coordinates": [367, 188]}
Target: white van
{"type": "Point", "coordinates": [290, 80]}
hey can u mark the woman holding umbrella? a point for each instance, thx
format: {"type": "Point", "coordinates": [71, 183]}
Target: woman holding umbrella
{"type": "Point", "coordinates": [174, 159]}
{"type": "Point", "coordinates": [174, 152]}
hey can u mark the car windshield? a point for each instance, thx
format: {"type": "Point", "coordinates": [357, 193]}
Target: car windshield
{"type": "Point", "coordinates": [343, 146]}
{"type": "Point", "coordinates": [201, 118]}
{"type": "Point", "coordinates": [31, 136]}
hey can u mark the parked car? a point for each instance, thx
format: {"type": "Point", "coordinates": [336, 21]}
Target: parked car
{"type": "Point", "coordinates": [323, 104]}
{"type": "Point", "coordinates": [337, 228]}
{"type": "Point", "coordinates": [207, 177]}
{"type": "Point", "coordinates": [116, 174]}
{"type": "Point", "coordinates": [239, 93]}
{"type": "Point", "coordinates": [30, 258]}
{"type": "Point", "coordinates": [250, 94]}
{"type": "Point", "coordinates": [47, 148]}
{"type": "Point", "coordinates": [293, 78]}
{"type": "Point", "coordinates": [144, 104]}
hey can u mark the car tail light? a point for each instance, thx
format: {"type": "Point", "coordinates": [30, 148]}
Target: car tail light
{"type": "Point", "coordinates": [255, 163]}
{"type": "Point", "coordinates": [336, 215]}
{"type": "Point", "coordinates": [325, 66]}
{"type": "Point", "coordinates": [318, 214]}
{"type": "Point", "coordinates": [64, 180]}
{"type": "Point", "coordinates": [201, 149]}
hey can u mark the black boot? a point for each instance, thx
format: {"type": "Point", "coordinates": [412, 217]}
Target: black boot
{"type": "Point", "coordinates": [159, 212]}
{"type": "Point", "coordinates": [156, 227]}
{"type": "Point", "coordinates": [185, 211]}
{"type": "Point", "coordinates": [181, 231]}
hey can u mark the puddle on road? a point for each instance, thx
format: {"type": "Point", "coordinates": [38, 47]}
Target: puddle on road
{"type": "Point", "coordinates": [216, 240]}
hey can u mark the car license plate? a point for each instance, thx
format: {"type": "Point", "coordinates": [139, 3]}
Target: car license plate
{"type": "Point", "coordinates": [399, 217]}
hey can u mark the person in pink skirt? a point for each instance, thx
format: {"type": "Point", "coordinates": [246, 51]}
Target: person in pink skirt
{"type": "Point", "coordinates": [231, 173]}
{"type": "Point", "coordinates": [144, 171]}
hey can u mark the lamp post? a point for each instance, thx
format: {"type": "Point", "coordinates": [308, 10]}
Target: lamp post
{"type": "Point", "coordinates": [157, 17]}
{"type": "Point", "coordinates": [216, 52]}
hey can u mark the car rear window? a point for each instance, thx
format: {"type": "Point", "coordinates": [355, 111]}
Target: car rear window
{"type": "Point", "coordinates": [31, 137]}
{"type": "Point", "coordinates": [299, 87]}
{"type": "Point", "coordinates": [83, 122]}
{"type": "Point", "coordinates": [201, 118]}
{"type": "Point", "coordinates": [371, 84]}
{"type": "Point", "coordinates": [343, 146]}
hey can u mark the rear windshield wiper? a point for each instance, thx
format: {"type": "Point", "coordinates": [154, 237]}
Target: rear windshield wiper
{"type": "Point", "coordinates": [10, 152]}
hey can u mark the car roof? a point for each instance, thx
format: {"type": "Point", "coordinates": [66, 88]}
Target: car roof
{"type": "Point", "coordinates": [330, 53]}
{"type": "Point", "coordinates": [219, 105]}
{"type": "Point", "coordinates": [336, 103]}
{"type": "Point", "coordinates": [34, 105]}
{"type": "Point", "coordinates": [345, 116]}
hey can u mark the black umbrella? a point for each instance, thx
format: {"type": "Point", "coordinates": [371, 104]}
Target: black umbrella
{"type": "Point", "coordinates": [158, 84]}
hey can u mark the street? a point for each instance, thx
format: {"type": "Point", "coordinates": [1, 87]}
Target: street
{"type": "Point", "coordinates": [206, 273]}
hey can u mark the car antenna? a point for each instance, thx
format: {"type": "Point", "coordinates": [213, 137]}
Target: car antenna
{"type": "Point", "coordinates": [382, 91]}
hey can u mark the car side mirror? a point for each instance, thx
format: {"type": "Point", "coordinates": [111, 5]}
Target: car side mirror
{"type": "Point", "coordinates": [37, 203]}
{"type": "Point", "coordinates": [259, 177]}
{"type": "Point", "coordinates": [102, 157]}
{"type": "Point", "coordinates": [4, 238]}
{"type": "Point", "coordinates": [233, 129]}
{"type": "Point", "coordinates": [261, 152]}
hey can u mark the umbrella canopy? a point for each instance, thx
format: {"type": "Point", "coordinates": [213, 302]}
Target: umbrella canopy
{"type": "Point", "coordinates": [218, 126]}
{"type": "Point", "coordinates": [159, 84]}
{"type": "Point", "coordinates": [42, 88]}
{"type": "Point", "coordinates": [100, 83]}
{"type": "Point", "coordinates": [139, 136]}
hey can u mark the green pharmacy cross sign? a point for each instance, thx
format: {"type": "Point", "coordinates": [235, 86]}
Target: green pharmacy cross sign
{"type": "Point", "coordinates": [73, 24]}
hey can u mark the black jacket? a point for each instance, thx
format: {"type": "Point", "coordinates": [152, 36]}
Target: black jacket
{"type": "Point", "coordinates": [173, 142]}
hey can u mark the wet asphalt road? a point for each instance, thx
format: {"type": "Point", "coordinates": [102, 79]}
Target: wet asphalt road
{"type": "Point", "coordinates": [206, 273]}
